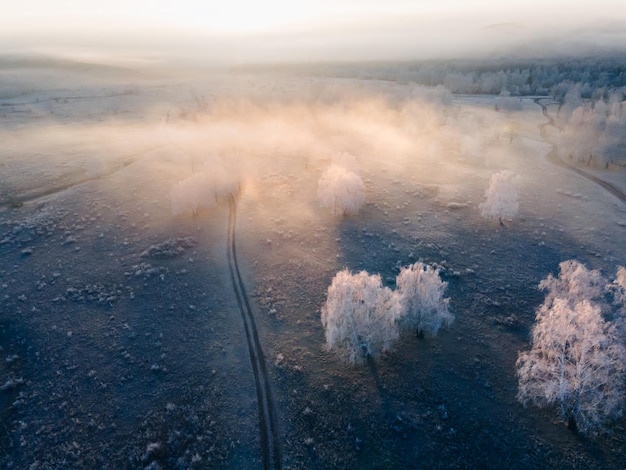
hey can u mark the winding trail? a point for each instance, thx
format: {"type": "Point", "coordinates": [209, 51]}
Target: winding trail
{"type": "Point", "coordinates": [554, 158]}
{"type": "Point", "coordinates": [268, 427]}
{"type": "Point", "coordinates": [16, 201]}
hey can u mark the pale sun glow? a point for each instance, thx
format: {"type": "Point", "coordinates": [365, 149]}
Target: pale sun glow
{"type": "Point", "coordinates": [240, 30]}
{"type": "Point", "coordinates": [235, 17]}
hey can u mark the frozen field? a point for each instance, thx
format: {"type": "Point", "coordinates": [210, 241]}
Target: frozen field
{"type": "Point", "coordinates": [122, 344]}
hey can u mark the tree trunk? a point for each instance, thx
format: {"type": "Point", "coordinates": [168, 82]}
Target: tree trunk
{"type": "Point", "coordinates": [571, 424]}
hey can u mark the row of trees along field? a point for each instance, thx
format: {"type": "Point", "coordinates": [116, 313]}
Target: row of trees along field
{"type": "Point", "coordinates": [519, 76]}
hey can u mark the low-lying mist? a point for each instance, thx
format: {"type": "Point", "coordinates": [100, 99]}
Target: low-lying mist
{"type": "Point", "coordinates": [256, 130]}
{"type": "Point", "coordinates": [251, 129]}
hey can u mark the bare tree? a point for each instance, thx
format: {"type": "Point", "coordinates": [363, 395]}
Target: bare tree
{"type": "Point", "coordinates": [359, 316]}
{"type": "Point", "coordinates": [421, 292]}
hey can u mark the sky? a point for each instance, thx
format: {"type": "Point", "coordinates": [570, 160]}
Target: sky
{"type": "Point", "coordinates": [283, 30]}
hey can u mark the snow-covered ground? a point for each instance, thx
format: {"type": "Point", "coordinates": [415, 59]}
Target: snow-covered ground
{"type": "Point", "coordinates": [120, 339]}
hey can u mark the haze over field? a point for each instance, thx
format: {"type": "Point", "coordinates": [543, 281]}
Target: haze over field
{"type": "Point", "coordinates": [241, 31]}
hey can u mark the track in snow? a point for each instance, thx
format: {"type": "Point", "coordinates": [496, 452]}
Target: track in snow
{"type": "Point", "coordinates": [268, 428]}
{"type": "Point", "coordinates": [14, 201]}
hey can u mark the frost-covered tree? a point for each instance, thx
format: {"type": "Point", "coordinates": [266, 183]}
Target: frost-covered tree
{"type": "Point", "coordinates": [617, 292]}
{"type": "Point", "coordinates": [341, 190]}
{"type": "Point", "coordinates": [576, 363]}
{"type": "Point", "coordinates": [502, 197]}
{"type": "Point", "coordinates": [362, 318]}
{"type": "Point", "coordinates": [505, 102]}
{"type": "Point", "coordinates": [571, 100]}
{"type": "Point", "coordinates": [359, 316]}
{"type": "Point", "coordinates": [574, 284]}
{"type": "Point", "coordinates": [579, 136]}
{"type": "Point", "coordinates": [345, 160]}
{"type": "Point", "coordinates": [203, 190]}
{"type": "Point", "coordinates": [421, 294]}
{"type": "Point", "coordinates": [192, 194]}
{"type": "Point", "coordinates": [594, 133]}
{"type": "Point", "coordinates": [620, 285]}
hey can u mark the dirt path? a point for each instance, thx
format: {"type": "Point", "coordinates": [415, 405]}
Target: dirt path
{"type": "Point", "coordinates": [553, 157]}
{"type": "Point", "coordinates": [268, 429]}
